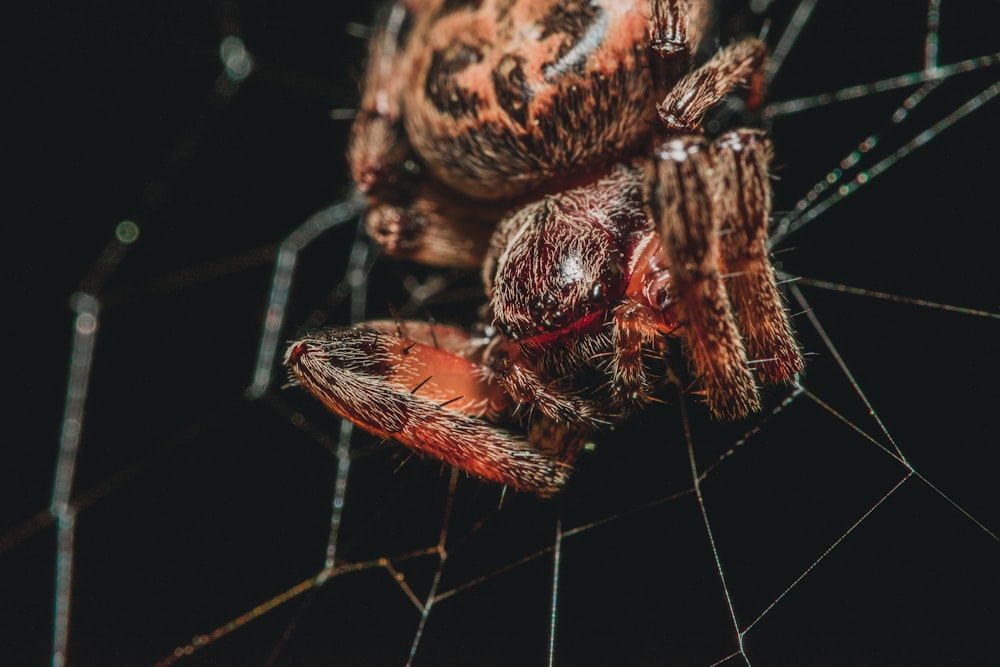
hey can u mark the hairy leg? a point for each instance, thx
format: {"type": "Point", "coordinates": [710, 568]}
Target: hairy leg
{"type": "Point", "coordinates": [739, 64]}
{"type": "Point", "coordinates": [681, 198]}
{"type": "Point", "coordinates": [421, 385]}
{"type": "Point", "coordinates": [743, 204]}
{"type": "Point", "coordinates": [676, 28]}
{"type": "Point", "coordinates": [555, 401]}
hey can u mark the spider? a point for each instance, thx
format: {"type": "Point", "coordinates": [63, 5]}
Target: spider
{"type": "Point", "coordinates": [556, 144]}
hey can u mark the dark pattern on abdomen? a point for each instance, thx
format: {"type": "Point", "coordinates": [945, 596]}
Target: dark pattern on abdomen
{"type": "Point", "coordinates": [442, 87]}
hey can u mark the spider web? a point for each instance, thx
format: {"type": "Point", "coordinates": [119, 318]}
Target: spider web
{"type": "Point", "coordinates": [203, 515]}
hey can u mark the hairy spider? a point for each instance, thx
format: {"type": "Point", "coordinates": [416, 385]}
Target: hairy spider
{"type": "Point", "coordinates": [558, 145]}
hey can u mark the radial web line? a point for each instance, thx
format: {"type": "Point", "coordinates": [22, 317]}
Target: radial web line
{"type": "Point", "coordinates": [973, 104]}
{"type": "Point", "coordinates": [425, 612]}
{"type": "Point", "coordinates": [932, 37]}
{"type": "Point", "coordinates": [776, 109]}
{"type": "Point", "coordinates": [837, 175]}
{"type": "Point", "coordinates": [885, 296]}
{"type": "Point", "coordinates": [830, 548]}
{"type": "Point", "coordinates": [357, 278]}
{"type": "Point", "coordinates": [563, 535]}
{"type": "Point", "coordinates": [721, 661]}
{"type": "Point", "coordinates": [696, 477]}
{"type": "Point", "coordinates": [556, 564]}
{"type": "Point", "coordinates": [86, 306]}
{"type": "Point", "coordinates": [828, 342]}
{"type": "Point", "coordinates": [85, 324]}
{"type": "Point", "coordinates": [951, 501]}
{"type": "Point", "coordinates": [472, 583]}
{"type": "Point", "coordinates": [793, 31]}
{"type": "Point", "coordinates": [757, 428]}
{"type": "Point", "coordinates": [203, 640]}
{"type": "Point", "coordinates": [358, 285]}
{"type": "Point", "coordinates": [854, 427]}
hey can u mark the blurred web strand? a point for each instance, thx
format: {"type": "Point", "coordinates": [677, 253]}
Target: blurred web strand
{"type": "Point", "coordinates": [64, 512]}
{"type": "Point", "coordinates": [931, 38]}
{"type": "Point", "coordinates": [274, 319]}
{"type": "Point", "coordinates": [277, 306]}
{"type": "Point", "coordinates": [792, 33]}
{"type": "Point", "coordinates": [553, 615]}
{"type": "Point", "coordinates": [442, 552]}
{"type": "Point", "coordinates": [237, 66]}
{"type": "Point", "coordinates": [281, 284]}
{"type": "Point", "coordinates": [940, 73]}
{"type": "Point", "coordinates": [807, 209]}
{"type": "Point", "coordinates": [885, 296]}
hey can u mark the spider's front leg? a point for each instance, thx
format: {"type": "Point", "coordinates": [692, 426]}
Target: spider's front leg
{"type": "Point", "coordinates": [743, 204]}
{"type": "Point", "coordinates": [712, 204]}
{"type": "Point", "coordinates": [681, 197]}
{"type": "Point", "coordinates": [423, 386]}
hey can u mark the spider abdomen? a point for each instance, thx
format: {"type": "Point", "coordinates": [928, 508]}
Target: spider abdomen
{"type": "Point", "coordinates": [501, 97]}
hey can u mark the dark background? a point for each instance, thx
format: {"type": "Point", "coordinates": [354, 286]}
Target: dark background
{"type": "Point", "coordinates": [200, 505]}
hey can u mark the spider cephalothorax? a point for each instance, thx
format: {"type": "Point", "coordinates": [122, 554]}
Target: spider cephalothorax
{"type": "Point", "coordinates": [558, 145]}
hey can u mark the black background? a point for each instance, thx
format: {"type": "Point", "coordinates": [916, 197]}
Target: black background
{"type": "Point", "coordinates": [215, 504]}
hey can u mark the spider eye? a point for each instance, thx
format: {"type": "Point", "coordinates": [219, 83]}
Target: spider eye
{"type": "Point", "coordinates": [555, 320]}
{"type": "Point", "coordinates": [506, 330]}
{"type": "Point", "coordinates": [597, 293]}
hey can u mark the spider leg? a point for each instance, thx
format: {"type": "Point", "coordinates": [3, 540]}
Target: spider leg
{"type": "Point", "coordinates": [635, 328]}
{"type": "Point", "coordinates": [675, 30]}
{"type": "Point", "coordinates": [743, 204]}
{"type": "Point", "coordinates": [434, 398]}
{"type": "Point", "coordinates": [430, 224]}
{"type": "Point", "coordinates": [525, 386]}
{"type": "Point", "coordinates": [683, 208]}
{"type": "Point", "coordinates": [738, 64]}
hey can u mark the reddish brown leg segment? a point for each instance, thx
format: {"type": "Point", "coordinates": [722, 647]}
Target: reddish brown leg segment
{"type": "Point", "coordinates": [634, 330]}
{"type": "Point", "coordinates": [430, 224]}
{"type": "Point", "coordinates": [738, 64]}
{"type": "Point", "coordinates": [743, 204]}
{"type": "Point", "coordinates": [431, 399]}
{"type": "Point", "coordinates": [682, 202]}
{"type": "Point", "coordinates": [557, 404]}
